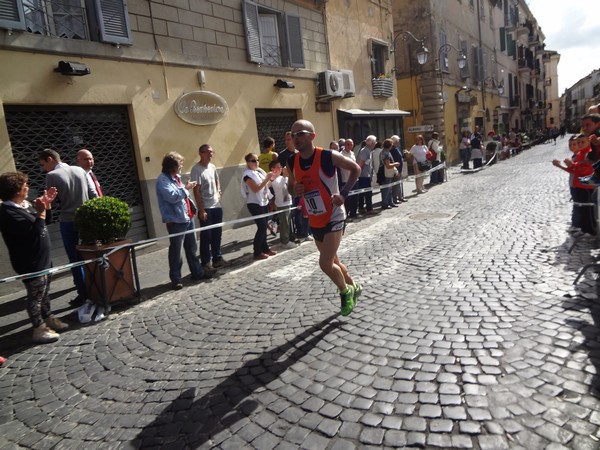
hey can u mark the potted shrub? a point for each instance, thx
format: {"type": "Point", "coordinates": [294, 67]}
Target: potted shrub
{"type": "Point", "coordinates": [102, 224]}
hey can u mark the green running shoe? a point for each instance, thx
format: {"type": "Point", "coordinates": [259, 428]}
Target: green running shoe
{"type": "Point", "coordinates": [357, 292]}
{"type": "Point", "coordinates": [347, 300]}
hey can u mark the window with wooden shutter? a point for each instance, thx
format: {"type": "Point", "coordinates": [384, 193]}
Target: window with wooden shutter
{"type": "Point", "coordinates": [97, 20]}
{"type": "Point", "coordinates": [112, 21]}
{"type": "Point", "coordinates": [252, 24]}
{"type": "Point", "coordinates": [12, 15]}
{"type": "Point", "coordinates": [476, 72]}
{"type": "Point", "coordinates": [294, 40]}
{"type": "Point", "coordinates": [465, 71]}
{"type": "Point", "coordinates": [272, 37]}
{"type": "Point", "coordinates": [443, 54]}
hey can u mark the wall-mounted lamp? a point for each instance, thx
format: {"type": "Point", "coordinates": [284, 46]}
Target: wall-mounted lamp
{"type": "Point", "coordinates": [283, 84]}
{"type": "Point", "coordinates": [201, 78]}
{"type": "Point", "coordinates": [422, 53]}
{"type": "Point", "coordinates": [72, 68]}
{"type": "Point", "coordinates": [461, 60]}
{"type": "Point", "coordinates": [497, 85]}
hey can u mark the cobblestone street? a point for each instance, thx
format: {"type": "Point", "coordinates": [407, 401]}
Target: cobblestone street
{"type": "Point", "coordinates": [469, 334]}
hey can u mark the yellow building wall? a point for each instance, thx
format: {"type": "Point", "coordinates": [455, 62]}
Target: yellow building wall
{"type": "Point", "coordinates": [150, 90]}
{"type": "Point", "coordinates": [350, 25]}
{"type": "Point", "coordinates": [408, 92]}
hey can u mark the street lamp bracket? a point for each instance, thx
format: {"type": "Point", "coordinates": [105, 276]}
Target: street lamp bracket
{"type": "Point", "coordinates": [445, 48]}
{"type": "Point", "coordinates": [422, 53]}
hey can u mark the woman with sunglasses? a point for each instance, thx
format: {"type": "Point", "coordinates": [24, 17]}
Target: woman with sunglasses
{"type": "Point", "coordinates": [255, 189]}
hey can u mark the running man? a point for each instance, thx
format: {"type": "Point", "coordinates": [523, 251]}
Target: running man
{"type": "Point", "coordinates": [312, 174]}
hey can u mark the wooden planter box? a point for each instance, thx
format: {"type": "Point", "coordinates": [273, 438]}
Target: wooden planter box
{"type": "Point", "coordinates": [116, 281]}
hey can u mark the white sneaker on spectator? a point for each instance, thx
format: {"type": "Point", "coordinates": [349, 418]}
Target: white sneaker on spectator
{"type": "Point", "coordinates": [289, 245]}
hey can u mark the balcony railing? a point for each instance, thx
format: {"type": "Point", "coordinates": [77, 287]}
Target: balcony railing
{"type": "Point", "coordinates": [383, 87]}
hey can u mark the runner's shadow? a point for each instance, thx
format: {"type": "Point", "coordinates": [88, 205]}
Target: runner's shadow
{"type": "Point", "coordinates": [590, 332]}
{"type": "Point", "coordinates": [189, 423]}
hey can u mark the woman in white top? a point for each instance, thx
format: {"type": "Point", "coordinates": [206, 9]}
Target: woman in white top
{"type": "Point", "coordinates": [420, 163]}
{"type": "Point", "coordinates": [255, 188]}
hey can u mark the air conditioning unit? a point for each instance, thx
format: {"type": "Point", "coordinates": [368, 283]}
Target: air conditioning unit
{"type": "Point", "coordinates": [330, 84]}
{"type": "Point", "coordinates": [348, 77]}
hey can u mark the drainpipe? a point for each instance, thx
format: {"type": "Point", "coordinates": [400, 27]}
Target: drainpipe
{"type": "Point", "coordinates": [481, 72]}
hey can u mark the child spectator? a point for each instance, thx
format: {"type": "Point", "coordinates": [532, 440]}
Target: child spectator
{"type": "Point", "coordinates": [283, 201]}
{"type": "Point", "coordinates": [580, 166]}
{"type": "Point", "coordinates": [573, 148]}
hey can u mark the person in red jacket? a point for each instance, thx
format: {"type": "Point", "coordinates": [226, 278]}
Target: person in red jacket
{"type": "Point", "coordinates": [580, 166]}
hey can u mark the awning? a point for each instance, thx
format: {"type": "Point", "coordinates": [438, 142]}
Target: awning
{"type": "Point", "coordinates": [374, 113]}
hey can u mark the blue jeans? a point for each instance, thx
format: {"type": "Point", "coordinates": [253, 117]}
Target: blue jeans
{"type": "Point", "coordinates": [386, 194]}
{"type": "Point", "coordinates": [465, 156]}
{"type": "Point", "coordinates": [70, 239]}
{"type": "Point", "coordinates": [210, 240]}
{"type": "Point", "coordinates": [188, 242]}
{"type": "Point", "coordinates": [367, 197]}
{"type": "Point", "coordinates": [260, 238]}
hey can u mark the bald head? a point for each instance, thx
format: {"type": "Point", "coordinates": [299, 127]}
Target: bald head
{"type": "Point", "coordinates": [303, 133]}
{"type": "Point", "coordinates": [303, 125]}
{"type": "Point", "coordinates": [85, 160]}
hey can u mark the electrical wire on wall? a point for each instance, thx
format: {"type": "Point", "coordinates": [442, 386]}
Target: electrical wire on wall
{"type": "Point", "coordinates": [157, 48]}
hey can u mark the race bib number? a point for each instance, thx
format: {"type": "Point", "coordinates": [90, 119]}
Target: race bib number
{"type": "Point", "coordinates": [314, 203]}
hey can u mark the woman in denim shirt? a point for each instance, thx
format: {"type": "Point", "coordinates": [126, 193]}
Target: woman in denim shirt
{"type": "Point", "coordinates": [177, 211]}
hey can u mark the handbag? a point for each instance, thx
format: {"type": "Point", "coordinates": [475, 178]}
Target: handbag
{"type": "Point", "coordinates": [380, 174]}
{"type": "Point", "coordinates": [390, 173]}
{"type": "Point", "coordinates": [430, 155]}
{"type": "Point", "coordinates": [424, 166]}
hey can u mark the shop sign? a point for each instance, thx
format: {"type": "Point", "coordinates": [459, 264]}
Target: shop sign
{"type": "Point", "coordinates": [201, 108]}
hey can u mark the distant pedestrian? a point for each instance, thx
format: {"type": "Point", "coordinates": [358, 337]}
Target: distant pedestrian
{"type": "Point", "coordinates": [437, 176]}
{"type": "Point", "coordinates": [365, 162]}
{"type": "Point", "coordinates": [397, 154]}
{"type": "Point", "coordinates": [465, 150]}
{"type": "Point", "coordinates": [25, 234]}
{"type": "Point", "coordinates": [390, 171]}
{"type": "Point", "coordinates": [420, 163]}
{"type": "Point", "coordinates": [351, 202]}
{"type": "Point", "coordinates": [477, 151]}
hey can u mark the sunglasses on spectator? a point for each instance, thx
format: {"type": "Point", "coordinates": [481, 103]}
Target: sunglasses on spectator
{"type": "Point", "coordinates": [253, 160]}
{"type": "Point", "coordinates": [300, 133]}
